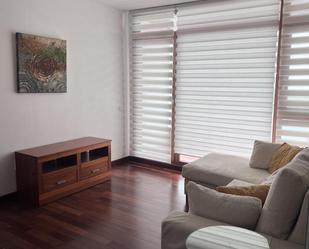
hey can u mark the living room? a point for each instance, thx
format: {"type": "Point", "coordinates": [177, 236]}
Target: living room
{"type": "Point", "coordinates": [172, 124]}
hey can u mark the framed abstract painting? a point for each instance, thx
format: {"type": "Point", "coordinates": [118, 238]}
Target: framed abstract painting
{"type": "Point", "coordinates": [41, 64]}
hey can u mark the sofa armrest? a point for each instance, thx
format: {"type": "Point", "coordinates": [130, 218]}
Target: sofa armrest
{"type": "Point", "coordinates": [242, 211]}
{"type": "Point", "coordinates": [177, 227]}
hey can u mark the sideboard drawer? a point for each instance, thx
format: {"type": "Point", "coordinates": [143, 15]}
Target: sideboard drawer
{"type": "Point", "coordinates": [93, 170]}
{"type": "Point", "coordinates": [59, 179]}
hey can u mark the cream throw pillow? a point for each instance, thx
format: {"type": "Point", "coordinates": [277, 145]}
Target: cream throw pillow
{"type": "Point", "coordinates": [262, 153]}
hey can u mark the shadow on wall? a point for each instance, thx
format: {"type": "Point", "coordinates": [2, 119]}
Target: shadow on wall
{"type": "Point", "coordinates": [14, 56]}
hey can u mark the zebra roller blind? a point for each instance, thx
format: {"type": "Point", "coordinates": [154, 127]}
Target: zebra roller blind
{"type": "Point", "coordinates": [151, 68]}
{"type": "Point", "coordinates": [293, 101]}
{"type": "Point", "coordinates": [226, 56]}
{"type": "Point", "coordinates": [223, 57]}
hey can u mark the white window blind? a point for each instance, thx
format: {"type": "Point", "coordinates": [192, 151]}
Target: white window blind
{"type": "Point", "coordinates": [151, 79]}
{"type": "Point", "coordinates": [226, 55]}
{"type": "Point", "coordinates": [293, 102]}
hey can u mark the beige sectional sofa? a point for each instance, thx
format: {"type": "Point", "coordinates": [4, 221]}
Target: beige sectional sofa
{"type": "Point", "coordinates": [282, 219]}
{"type": "Point", "coordinates": [218, 170]}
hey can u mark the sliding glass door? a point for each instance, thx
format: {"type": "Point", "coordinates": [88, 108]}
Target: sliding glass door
{"type": "Point", "coordinates": [151, 84]}
{"type": "Point", "coordinates": [215, 76]}
{"type": "Point", "coordinates": [292, 123]}
{"type": "Point", "coordinates": [226, 63]}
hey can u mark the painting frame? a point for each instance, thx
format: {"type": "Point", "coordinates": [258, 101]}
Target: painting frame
{"type": "Point", "coordinates": [41, 64]}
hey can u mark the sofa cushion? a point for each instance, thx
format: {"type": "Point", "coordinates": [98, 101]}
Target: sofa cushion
{"type": "Point", "coordinates": [178, 226]}
{"type": "Point", "coordinates": [218, 170]}
{"type": "Point", "coordinates": [284, 244]}
{"type": "Point", "coordinates": [242, 211]}
{"type": "Point", "coordinates": [262, 153]}
{"type": "Point", "coordinates": [285, 197]}
{"type": "Point", "coordinates": [270, 179]}
{"type": "Point", "coordinates": [236, 182]}
{"type": "Point", "coordinates": [299, 232]}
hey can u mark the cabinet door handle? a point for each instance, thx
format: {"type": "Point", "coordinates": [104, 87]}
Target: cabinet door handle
{"type": "Point", "coordinates": [61, 182]}
{"type": "Point", "coordinates": [95, 171]}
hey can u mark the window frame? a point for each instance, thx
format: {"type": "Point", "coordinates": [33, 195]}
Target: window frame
{"type": "Point", "coordinates": [176, 157]}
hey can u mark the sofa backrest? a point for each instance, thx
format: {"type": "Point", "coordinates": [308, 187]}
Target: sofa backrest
{"type": "Point", "coordinates": [285, 198]}
{"type": "Point", "coordinates": [298, 234]}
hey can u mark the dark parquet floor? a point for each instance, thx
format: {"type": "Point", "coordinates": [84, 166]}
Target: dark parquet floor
{"type": "Point", "coordinates": [125, 213]}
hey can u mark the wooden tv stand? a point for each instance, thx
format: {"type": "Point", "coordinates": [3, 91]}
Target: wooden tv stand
{"type": "Point", "coordinates": [49, 172]}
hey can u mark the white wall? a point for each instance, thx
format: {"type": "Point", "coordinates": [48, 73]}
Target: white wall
{"type": "Point", "coordinates": [93, 105]}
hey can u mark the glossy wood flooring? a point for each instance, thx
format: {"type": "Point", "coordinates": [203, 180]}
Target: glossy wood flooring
{"type": "Point", "coordinates": [125, 213]}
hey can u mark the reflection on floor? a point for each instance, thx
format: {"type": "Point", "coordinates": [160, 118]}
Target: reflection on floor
{"type": "Point", "coordinates": [125, 213]}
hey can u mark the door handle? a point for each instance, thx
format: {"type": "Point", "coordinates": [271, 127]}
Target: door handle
{"type": "Point", "coordinates": [95, 171]}
{"type": "Point", "coordinates": [61, 182]}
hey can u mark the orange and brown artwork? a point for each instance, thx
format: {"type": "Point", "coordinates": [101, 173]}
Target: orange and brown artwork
{"type": "Point", "coordinates": [41, 64]}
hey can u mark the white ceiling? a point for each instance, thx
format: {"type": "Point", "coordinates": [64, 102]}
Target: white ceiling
{"type": "Point", "coordinates": [138, 4]}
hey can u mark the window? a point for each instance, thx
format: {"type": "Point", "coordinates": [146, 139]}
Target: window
{"type": "Point", "coordinates": [293, 98]}
{"type": "Point", "coordinates": [204, 77]}
{"type": "Point", "coordinates": [151, 84]}
{"type": "Point", "coordinates": [226, 56]}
